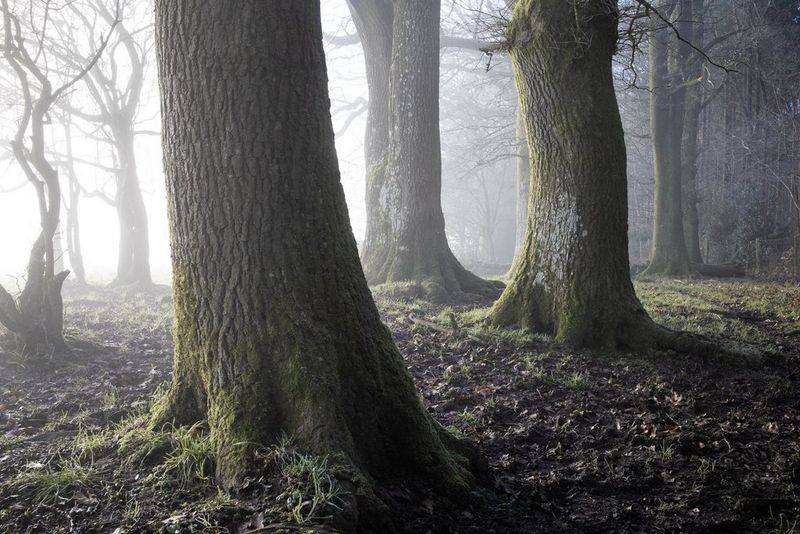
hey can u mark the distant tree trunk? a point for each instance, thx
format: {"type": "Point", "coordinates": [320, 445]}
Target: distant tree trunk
{"type": "Point", "coordinates": [691, 132]}
{"type": "Point", "coordinates": [275, 328]}
{"type": "Point", "coordinates": [36, 317]}
{"type": "Point", "coordinates": [669, 254]}
{"type": "Point", "coordinates": [410, 243]}
{"type": "Point", "coordinates": [571, 277]}
{"type": "Point", "coordinates": [133, 265]}
{"type": "Point", "coordinates": [523, 180]}
{"type": "Point", "coordinates": [58, 249]}
{"type": "Point", "coordinates": [373, 20]}
{"type": "Point", "coordinates": [73, 228]}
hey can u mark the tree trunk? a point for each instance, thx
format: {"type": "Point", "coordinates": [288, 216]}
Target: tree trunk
{"type": "Point", "coordinates": [373, 20]}
{"type": "Point", "coordinates": [275, 328]}
{"type": "Point", "coordinates": [73, 227]}
{"type": "Point", "coordinates": [133, 265]}
{"type": "Point", "coordinates": [571, 277]}
{"type": "Point", "coordinates": [669, 255]}
{"type": "Point", "coordinates": [691, 132]}
{"type": "Point", "coordinates": [406, 238]}
{"type": "Point", "coordinates": [523, 180]}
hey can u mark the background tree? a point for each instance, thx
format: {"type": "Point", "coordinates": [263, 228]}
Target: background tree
{"type": "Point", "coordinates": [113, 96]}
{"type": "Point", "coordinates": [37, 316]}
{"type": "Point", "coordinates": [571, 277]}
{"type": "Point", "coordinates": [406, 237]}
{"type": "Point", "coordinates": [275, 328]}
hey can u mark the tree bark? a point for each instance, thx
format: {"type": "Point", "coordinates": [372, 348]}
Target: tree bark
{"type": "Point", "coordinates": [571, 277]}
{"type": "Point", "coordinates": [668, 58]}
{"type": "Point", "coordinates": [523, 181]}
{"type": "Point", "coordinates": [275, 328]}
{"type": "Point", "coordinates": [373, 20]}
{"type": "Point", "coordinates": [406, 238]}
{"type": "Point", "coordinates": [691, 134]}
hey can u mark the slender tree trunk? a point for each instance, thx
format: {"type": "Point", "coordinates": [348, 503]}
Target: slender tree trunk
{"type": "Point", "coordinates": [133, 265]}
{"type": "Point", "coordinates": [275, 328]}
{"type": "Point", "coordinates": [571, 277]}
{"type": "Point", "coordinates": [669, 253]}
{"type": "Point", "coordinates": [73, 228]}
{"type": "Point", "coordinates": [691, 127]}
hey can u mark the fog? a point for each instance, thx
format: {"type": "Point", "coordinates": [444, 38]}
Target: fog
{"type": "Point", "coordinates": [480, 149]}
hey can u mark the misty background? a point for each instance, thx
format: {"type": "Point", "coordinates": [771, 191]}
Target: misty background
{"type": "Point", "coordinates": [749, 191]}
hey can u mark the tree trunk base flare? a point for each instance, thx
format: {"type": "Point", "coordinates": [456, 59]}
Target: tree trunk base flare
{"type": "Point", "coordinates": [276, 333]}
{"type": "Point", "coordinates": [571, 278]}
{"type": "Point", "coordinates": [36, 317]}
{"type": "Point", "coordinates": [720, 271]}
{"type": "Point", "coordinates": [677, 266]}
{"type": "Point", "coordinates": [441, 278]}
{"type": "Point", "coordinates": [406, 239]}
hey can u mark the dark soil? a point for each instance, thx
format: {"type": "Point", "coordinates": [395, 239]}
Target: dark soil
{"type": "Point", "coordinates": [575, 441]}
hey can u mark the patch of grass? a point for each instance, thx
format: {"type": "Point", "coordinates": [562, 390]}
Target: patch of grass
{"type": "Point", "coordinates": [458, 369]}
{"type": "Point", "coordinates": [90, 441]}
{"type": "Point", "coordinates": [137, 443]}
{"type": "Point", "coordinates": [533, 365]}
{"type": "Point", "coordinates": [717, 308]}
{"type": "Point", "coordinates": [515, 337]}
{"type": "Point", "coordinates": [470, 416]}
{"type": "Point", "coordinates": [309, 490]}
{"type": "Point", "coordinates": [49, 483]}
{"type": "Point", "coordinates": [10, 441]}
{"type": "Point", "coordinates": [575, 380]}
{"type": "Point", "coordinates": [192, 456]}
{"type": "Point", "coordinates": [221, 499]}
{"type": "Point", "coordinates": [109, 399]}
{"type": "Point", "coordinates": [666, 452]}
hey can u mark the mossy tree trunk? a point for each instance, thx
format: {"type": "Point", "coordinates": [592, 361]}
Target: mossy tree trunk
{"type": "Point", "coordinates": [571, 277]}
{"type": "Point", "coordinates": [275, 328]}
{"type": "Point", "coordinates": [523, 184]}
{"type": "Point", "coordinates": [668, 61]}
{"type": "Point", "coordinates": [406, 238]}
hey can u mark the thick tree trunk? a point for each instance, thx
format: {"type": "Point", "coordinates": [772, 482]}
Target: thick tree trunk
{"type": "Point", "coordinates": [275, 328]}
{"type": "Point", "coordinates": [571, 277]}
{"type": "Point", "coordinates": [669, 255]}
{"type": "Point", "coordinates": [133, 264]}
{"type": "Point", "coordinates": [406, 238]}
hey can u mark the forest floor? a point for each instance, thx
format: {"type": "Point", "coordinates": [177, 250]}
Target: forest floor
{"type": "Point", "coordinates": [575, 441]}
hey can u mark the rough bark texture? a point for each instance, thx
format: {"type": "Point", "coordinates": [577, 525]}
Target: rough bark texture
{"type": "Point", "coordinates": [668, 58]}
{"type": "Point", "coordinates": [571, 277]}
{"type": "Point", "coordinates": [406, 238]}
{"type": "Point", "coordinates": [523, 184]}
{"type": "Point", "coordinates": [275, 328]}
